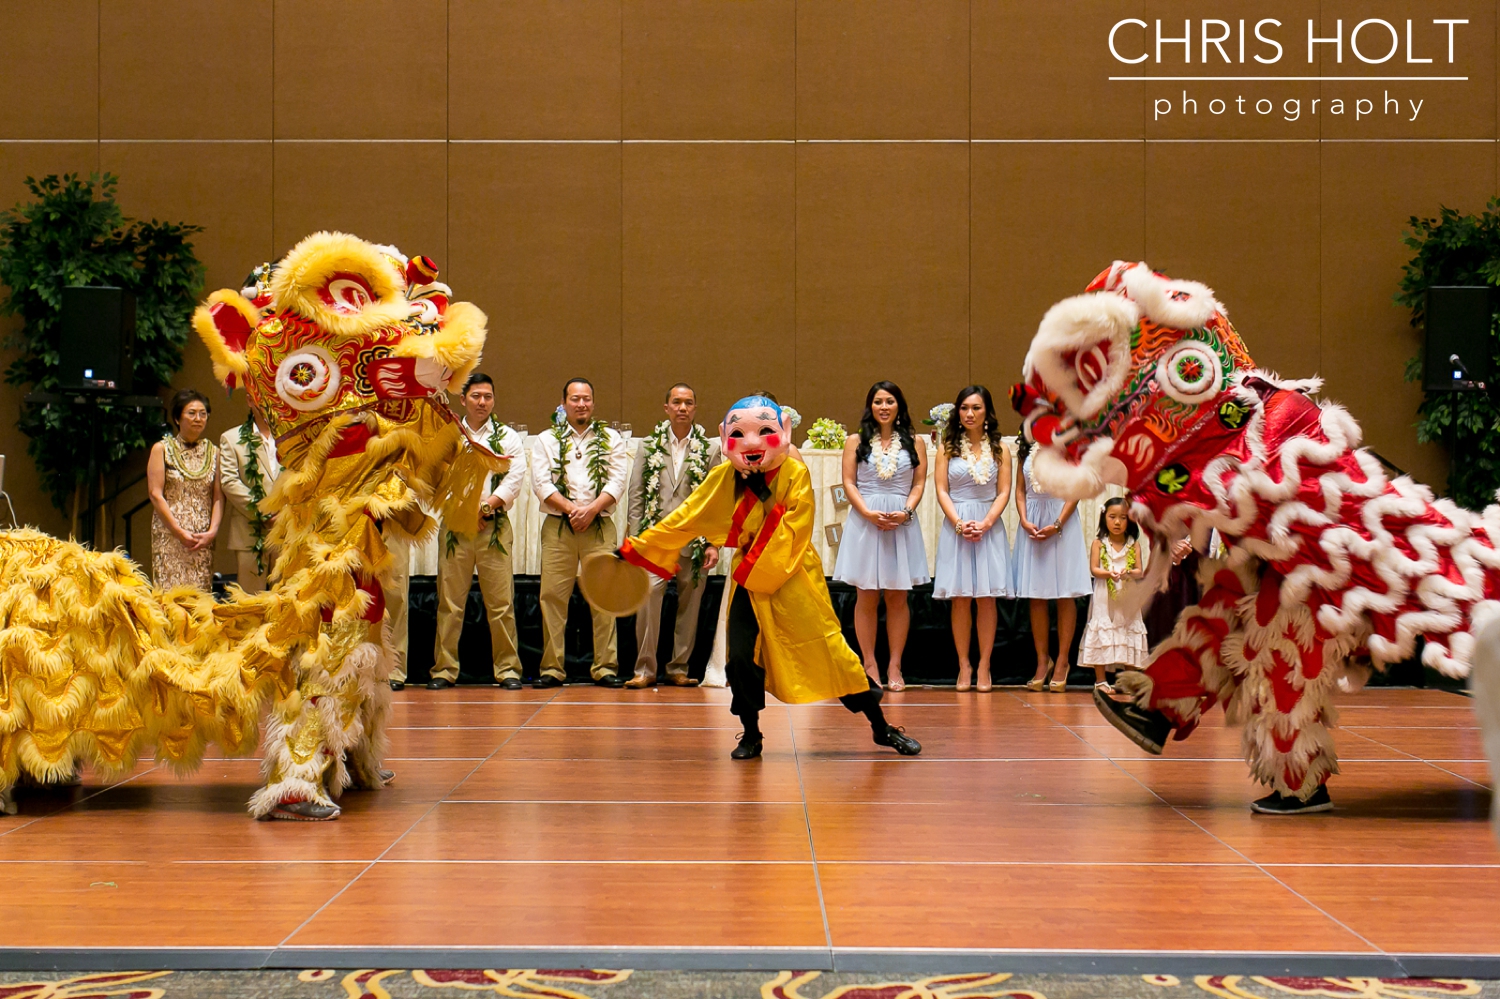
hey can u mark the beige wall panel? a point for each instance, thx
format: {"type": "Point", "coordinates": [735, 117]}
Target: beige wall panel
{"type": "Point", "coordinates": [223, 187]}
{"type": "Point", "coordinates": [1033, 79]}
{"type": "Point", "coordinates": [882, 273]}
{"type": "Point", "coordinates": [1041, 232]}
{"type": "Point", "coordinates": [535, 243]}
{"type": "Point", "coordinates": [185, 69]}
{"type": "Point", "coordinates": [49, 58]}
{"type": "Point", "coordinates": [375, 71]}
{"type": "Point", "coordinates": [709, 274]}
{"type": "Point", "coordinates": [534, 69]}
{"type": "Point", "coordinates": [1370, 190]}
{"type": "Point", "coordinates": [1243, 219]}
{"type": "Point", "coordinates": [882, 69]}
{"type": "Point", "coordinates": [703, 69]}
{"type": "Point", "coordinates": [19, 160]}
{"type": "Point", "coordinates": [385, 192]}
{"type": "Point", "coordinates": [1448, 109]}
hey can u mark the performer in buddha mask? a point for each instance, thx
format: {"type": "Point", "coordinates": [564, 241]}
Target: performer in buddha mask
{"type": "Point", "coordinates": [783, 633]}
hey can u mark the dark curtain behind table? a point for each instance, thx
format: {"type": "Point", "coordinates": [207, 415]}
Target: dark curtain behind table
{"type": "Point", "coordinates": [929, 656]}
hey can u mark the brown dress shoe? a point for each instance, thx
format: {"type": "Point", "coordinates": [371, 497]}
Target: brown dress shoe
{"type": "Point", "coordinates": [641, 680]}
{"type": "Point", "coordinates": [681, 680]}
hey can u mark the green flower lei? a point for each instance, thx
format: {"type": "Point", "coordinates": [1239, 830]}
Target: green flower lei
{"type": "Point", "coordinates": [1104, 560]}
{"type": "Point", "coordinates": [598, 461]}
{"type": "Point", "coordinates": [450, 543]}
{"type": "Point", "coordinates": [655, 452]}
{"type": "Point", "coordinates": [255, 482]}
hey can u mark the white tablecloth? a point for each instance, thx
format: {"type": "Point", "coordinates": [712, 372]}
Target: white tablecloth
{"type": "Point", "coordinates": [826, 469]}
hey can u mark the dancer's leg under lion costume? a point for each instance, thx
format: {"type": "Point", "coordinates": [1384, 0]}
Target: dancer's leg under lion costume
{"type": "Point", "coordinates": [345, 348]}
{"type": "Point", "coordinates": [1142, 382]}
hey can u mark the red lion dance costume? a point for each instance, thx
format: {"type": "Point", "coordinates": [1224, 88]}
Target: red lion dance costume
{"type": "Point", "coordinates": [1332, 568]}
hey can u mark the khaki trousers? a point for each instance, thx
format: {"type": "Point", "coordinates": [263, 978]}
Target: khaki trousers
{"type": "Point", "coordinates": [685, 633]}
{"type": "Point", "coordinates": [395, 604]}
{"type": "Point", "coordinates": [245, 572]}
{"type": "Point", "coordinates": [473, 552]}
{"type": "Point", "coordinates": [562, 550]}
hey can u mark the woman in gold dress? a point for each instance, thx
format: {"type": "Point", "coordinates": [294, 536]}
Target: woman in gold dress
{"type": "Point", "coordinates": [182, 475]}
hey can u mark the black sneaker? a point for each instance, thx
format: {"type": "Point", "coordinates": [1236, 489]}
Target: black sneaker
{"type": "Point", "coordinates": [748, 749]}
{"type": "Point", "coordinates": [509, 683]}
{"type": "Point", "coordinates": [1142, 726]}
{"type": "Point", "coordinates": [547, 680]}
{"type": "Point", "coordinates": [439, 684]}
{"type": "Point", "coordinates": [1277, 803]}
{"type": "Point", "coordinates": [610, 680]}
{"type": "Point", "coordinates": [898, 740]}
{"type": "Point", "coordinates": [398, 684]}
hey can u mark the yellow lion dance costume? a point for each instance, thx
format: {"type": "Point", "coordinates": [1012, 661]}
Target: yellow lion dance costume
{"type": "Point", "coordinates": [346, 349]}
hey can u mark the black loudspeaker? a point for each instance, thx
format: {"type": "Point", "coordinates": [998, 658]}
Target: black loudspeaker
{"type": "Point", "coordinates": [1460, 349]}
{"type": "Point", "coordinates": [96, 342]}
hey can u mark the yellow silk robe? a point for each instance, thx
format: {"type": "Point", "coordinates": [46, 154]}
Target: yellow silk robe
{"type": "Point", "coordinates": [801, 646]}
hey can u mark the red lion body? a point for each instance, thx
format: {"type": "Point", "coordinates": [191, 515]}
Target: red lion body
{"type": "Point", "coordinates": [1332, 567]}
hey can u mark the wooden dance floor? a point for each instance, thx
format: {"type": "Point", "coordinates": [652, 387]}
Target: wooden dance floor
{"type": "Point", "coordinates": [595, 828]}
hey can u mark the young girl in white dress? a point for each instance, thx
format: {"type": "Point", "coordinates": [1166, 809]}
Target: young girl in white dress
{"type": "Point", "coordinates": [1113, 640]}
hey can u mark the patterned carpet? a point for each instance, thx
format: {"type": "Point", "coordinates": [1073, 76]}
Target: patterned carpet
{"type": "Point", "coordinates": [603, 984]}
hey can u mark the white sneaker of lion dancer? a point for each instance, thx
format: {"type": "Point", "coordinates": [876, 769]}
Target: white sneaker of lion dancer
{"type": "Point", "coordinates": [1484, 684]}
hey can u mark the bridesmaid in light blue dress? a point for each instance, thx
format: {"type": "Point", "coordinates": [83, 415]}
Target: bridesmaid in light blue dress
{"type": "Point", "coordinates": [973, 558]}
{"type": "Point", "coordinates": [885, 472]}
{"type": "Point", "coordinates": [1051, 560]}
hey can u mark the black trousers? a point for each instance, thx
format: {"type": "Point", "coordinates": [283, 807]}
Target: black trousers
{"type": "Point", "coordinates": [747, 680]}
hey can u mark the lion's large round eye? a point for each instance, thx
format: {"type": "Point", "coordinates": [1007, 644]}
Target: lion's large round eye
{"type": "Point", "coordinates": [307, 379]}
{"type": "Point", "coordinates": [1190, 372]}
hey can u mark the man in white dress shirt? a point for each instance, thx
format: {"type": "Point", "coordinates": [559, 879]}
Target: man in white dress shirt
{"type": "Point", "coordinates": [487, 552]}
{"type": "Point", "coordinates": [235, 455]}
{"type": "Point", "coordinates": [671, 464]}
{"type": "Point", "coordinates": [578, 470]}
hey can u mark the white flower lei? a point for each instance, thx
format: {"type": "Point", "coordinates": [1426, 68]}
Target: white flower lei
{"type": "Point", "coordinates": [981, 469]}
{"type": "Point", "coordinates": [887, 457]}
{"type": "Point", "coordinates": [655, 452]}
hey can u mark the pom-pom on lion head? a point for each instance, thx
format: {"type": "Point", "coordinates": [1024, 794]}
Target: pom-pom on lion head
{"type": "Point", "coordinates": [1115, 375]}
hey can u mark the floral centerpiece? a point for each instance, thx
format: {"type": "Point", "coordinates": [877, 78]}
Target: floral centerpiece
{"type": "Point", "coordinates": [794, 418]}
{"type": "Point", "coordinates": [826, 435]}
{"type": "Point", "coordinates": [938, 415]}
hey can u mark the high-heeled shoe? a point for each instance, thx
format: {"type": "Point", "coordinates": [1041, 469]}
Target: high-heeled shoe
{"type": "Point", "coordinates": [874, 679]}
{"type": "Point", "coordinates": [1058, 686]}
{"type": "Point", "coordinates": [982, 682]}
{"type": "Point", "coordinates": [894, 681]}
{"type": "Point", "coordinates": [965, 672]}
{"type": "Point", "coordinates": [1040, 680]}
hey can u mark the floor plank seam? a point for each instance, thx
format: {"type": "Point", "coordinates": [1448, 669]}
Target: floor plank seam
{"type": "Point", "coordinates": [812, 849]}
{"type": "Point", "coordinates": [391, 846]}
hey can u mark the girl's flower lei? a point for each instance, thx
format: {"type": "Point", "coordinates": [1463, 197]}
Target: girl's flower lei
{"type": "Point", "coordinates": [1105, 560]}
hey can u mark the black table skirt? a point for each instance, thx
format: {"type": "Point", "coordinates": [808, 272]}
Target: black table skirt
{"type": "Point", "coordinates": [929, 658]}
